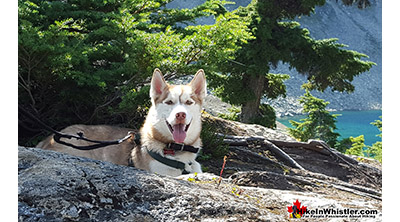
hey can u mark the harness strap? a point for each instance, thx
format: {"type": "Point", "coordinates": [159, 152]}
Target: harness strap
{"type": "Point", "coordinates": [182, 147]}
{"type": "Point", "coordinates": [58, 135]}
{"type": "Point", "coordinates": [169, 162]}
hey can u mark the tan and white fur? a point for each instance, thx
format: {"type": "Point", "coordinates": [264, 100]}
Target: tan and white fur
{"type": "Point", "coordinates": [175, 116]}
{"type": "Point", "coordinates": [172, 105]}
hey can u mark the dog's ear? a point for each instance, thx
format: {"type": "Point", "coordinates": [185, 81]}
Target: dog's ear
{"type": "Point", "coordinates": [199, 84]}
{"type": "Point", "coordinates": [158, 84]}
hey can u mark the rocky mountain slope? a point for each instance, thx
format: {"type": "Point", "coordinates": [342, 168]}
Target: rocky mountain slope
{"type": "Point", "coordinates": [361, 30]}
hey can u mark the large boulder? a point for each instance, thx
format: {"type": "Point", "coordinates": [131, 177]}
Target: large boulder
{"type": "Point", "coordinates": [57, 187]}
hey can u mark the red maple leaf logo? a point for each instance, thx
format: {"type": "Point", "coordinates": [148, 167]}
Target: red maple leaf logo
{"type": "Point", "coordinates": [296, 211]}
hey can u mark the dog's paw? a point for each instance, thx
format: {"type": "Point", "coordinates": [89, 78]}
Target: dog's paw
{"type": "Point", "coordinates": [195, 167]}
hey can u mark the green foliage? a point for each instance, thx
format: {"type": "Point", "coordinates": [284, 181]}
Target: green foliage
{"type": "Point", "coordinates": [135, 104]}
{"type": "Point", "coordinates": [233, 114]}
{"type": "Point", "coordinates": [213, 145]}
{"type": "Point", "coordinates": [375, 150]}
{"type": "Point", "coordinates": [357, 146]}
{"type": "Point", "coordinates": [274, 86]}
{"type": "Point", "coordinates": [319, 124]}
{"type": "Point", "coordinates": [86, 61]}
{"type": "Point", "coordinates": [267, 116]}
{"type": "Point", "coordinates": [332, 65]}
{"type": "Point", "coordinates": [343, 145]}
{"type": "Point", "coordinates": [74, 59]}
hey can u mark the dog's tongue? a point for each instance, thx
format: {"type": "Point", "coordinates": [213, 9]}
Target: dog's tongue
{"type": "Point", "coordinates": [179, 133]}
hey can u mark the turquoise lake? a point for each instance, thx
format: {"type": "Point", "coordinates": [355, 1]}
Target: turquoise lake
{"type": "Point", "coordinates": [350, 123]}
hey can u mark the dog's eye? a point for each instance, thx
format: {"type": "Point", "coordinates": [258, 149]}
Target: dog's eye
{"type": "Point", "coordinates": [169, 102]}
{"type": "Point", "coordinates": [188, 102]}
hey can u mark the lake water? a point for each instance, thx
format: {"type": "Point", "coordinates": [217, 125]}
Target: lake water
{"type": "Point", "coordinates": [350, 123]}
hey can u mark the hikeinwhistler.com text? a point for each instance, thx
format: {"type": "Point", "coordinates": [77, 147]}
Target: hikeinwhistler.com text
{"type": "Point", "coordinates": [340, 213]}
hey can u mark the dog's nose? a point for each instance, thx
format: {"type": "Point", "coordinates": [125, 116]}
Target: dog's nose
{"type": "Point", "coordinates": [180, 116]}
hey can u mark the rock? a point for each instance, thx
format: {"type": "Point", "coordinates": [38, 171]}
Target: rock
{"type": "Point", "coordinates": [215, 106]}
{"type": "Point", "coordinates": [57, 187]}
{"type": "Point", "coordinates": [280, 133]}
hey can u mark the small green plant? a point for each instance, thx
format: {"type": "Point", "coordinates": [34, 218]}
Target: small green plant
{"type": "Point", "coordinates": [233, 114]}
{"type": "Point", "coordinates": [375, 150]}
{"type": "Point", "coordinates": [213, 145]}
{"type": "Point", "coordinates": [357, 146]}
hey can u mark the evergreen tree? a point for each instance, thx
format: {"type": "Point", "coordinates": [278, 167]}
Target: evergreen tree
{"type": "Point", "coordinates": [319, 124]}
{"type": "Point", "coordinates": [87, 61]}
{"type": "Point", "coordinates": [326, 63]}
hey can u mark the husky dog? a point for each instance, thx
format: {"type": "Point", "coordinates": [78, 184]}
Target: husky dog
{"type": "Point", "coordinates": [169, 139]}
{"type": "Point", "coordinates": [174, 118]}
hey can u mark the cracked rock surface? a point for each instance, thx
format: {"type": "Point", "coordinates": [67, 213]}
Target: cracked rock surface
{"type": "Point", "coordinates": [57, 187]}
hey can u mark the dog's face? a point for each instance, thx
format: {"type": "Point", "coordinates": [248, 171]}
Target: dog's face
{"type": "Point", "coordinates": [176, 111]}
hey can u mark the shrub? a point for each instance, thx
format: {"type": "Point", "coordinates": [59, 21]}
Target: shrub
{"type": "Point", "coordinates": [267, 116]}
{"type": "Point", "coordinates": [213, 145]}
{"type": "Point", "coordinates": [357, 146]}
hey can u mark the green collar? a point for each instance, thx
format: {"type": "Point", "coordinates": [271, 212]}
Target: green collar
{"type": "Point", "coordinates": [169, 162]}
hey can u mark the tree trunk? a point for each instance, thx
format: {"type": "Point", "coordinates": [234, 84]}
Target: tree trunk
{"type": "Point", "coordinates": [250, 108]}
